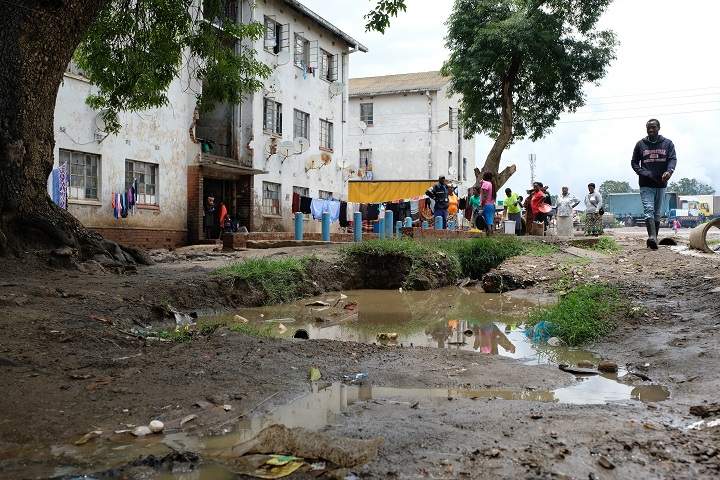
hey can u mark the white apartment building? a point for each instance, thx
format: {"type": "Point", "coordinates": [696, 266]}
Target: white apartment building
{"type": "Point", "coordinates": [405, 127]}
{"type": "Point", "coordinates": [248, 168]}
{"type": "Point", "coordinates": [290, 137]}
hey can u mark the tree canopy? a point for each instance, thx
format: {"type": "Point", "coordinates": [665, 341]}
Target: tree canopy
{"type": "Point", "coordinates": [135, 48]}
{"type": "Point", "coordinates": [519, 64]}
{"type": "Point", "coordinates": [690, 186]}
{"type": "Point", "coordinates": [615, 186]}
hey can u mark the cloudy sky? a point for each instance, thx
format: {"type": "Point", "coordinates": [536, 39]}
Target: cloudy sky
{"type": "Point", "coordinates": [667, 67]}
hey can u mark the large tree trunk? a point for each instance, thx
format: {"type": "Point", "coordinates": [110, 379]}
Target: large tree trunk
{"type": "Point", "coordinates": [492, 162]}
{"type": "Point", "coordinates": [38, 38]}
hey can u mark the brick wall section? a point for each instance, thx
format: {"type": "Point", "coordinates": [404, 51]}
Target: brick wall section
{"type": "Point", "coordinates": [420, 233]}
{"type": "Point", "coordinates": [145, 237]}
{"type": "Point", "coordinates": [194, 204]}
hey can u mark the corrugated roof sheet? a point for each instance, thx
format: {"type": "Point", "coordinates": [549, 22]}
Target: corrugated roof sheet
{"type": "Point", "coordinates": [404, 82]}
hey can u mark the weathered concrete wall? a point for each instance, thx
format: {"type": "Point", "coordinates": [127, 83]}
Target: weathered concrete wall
{"type": "Point", "coordinates": [305, 92]}
{"type": "Point", "coordinates": [158, 136]}
{"type": "Point", "coordinates": [410, 137]}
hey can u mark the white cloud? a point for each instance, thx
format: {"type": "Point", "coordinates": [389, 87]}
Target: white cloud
{"type": "Point", "coordinates": [666, 68]}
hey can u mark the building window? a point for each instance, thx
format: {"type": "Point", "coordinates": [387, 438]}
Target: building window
{"type": "Point", "coordinates": [271, 198]}
{"type": "Point", "coordinates": [366, 113]}
{"type": "Point", "coordinates": [365, 158]}
{"type": "Point", "coordinates": [324, 195]}
{"type": "Point", "coordinates": [302, 191]}
{"type": "Point", "coordinates": [464, 169]}
{"type": "Point", "coordinates": [449, 161]}
{"type": "Point", "coordinates": [326, 134]}
{"type": "Point", "coordinates": [84, 171]}
{"type": "Point", "coordinates": [276, 38]}
{"type": "Point", "coordinates": [272, 116]}
{"type": "Point", "coordinates": [301, 124]}
{"type": "Point", "coordinates": [302, 51]}
{"type": "Point", "coordinates": [328, 66]}
{"type": "Point", "coordinates": [146, 175]}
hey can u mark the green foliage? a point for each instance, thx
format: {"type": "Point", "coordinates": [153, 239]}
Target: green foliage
{"type": "Point", "coordinates": [281, 279]}
{"type": "Point", "coordinates": [584, 314]}
{"type": "Point", "coordinates": [614, 186]}
{"type": "Point", "coordinates": [528, 57]}
{"type": "Point", "coordinates": [539, 249]}
{"type": "Point", "coordinates": [178, 335]}
{"type": "Point", "coordinates": [480, 255]}
{"type": "Point", "coordinates": [379, 18]}
{"type": "Point", "coordinates": [606, 245]}
{"type": "Point", "coordinates": [688, 186]}
{"type": "Point", "coordinates": [209, 328]}
{"type": "Point", "coordinates": [136, 48]}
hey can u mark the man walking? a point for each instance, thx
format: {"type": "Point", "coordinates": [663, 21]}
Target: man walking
{"type": "Point", "coordinates": [654, 162]}
{"type": "Point", "coordinates": [439, 193]}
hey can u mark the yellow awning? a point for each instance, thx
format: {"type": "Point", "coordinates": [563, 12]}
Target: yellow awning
{"type": "Point", "coordinates": [364, 191]}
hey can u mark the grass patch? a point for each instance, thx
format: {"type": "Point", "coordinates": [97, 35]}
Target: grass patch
{"type": "Point", "coordinates": [585, 314]}
{"type": "Point", "coordinates": [250, 330]}
{"type": "Point", "coordinates": [606, 245]}
{"type": "Point", "coordinates": [539, 249]}
{"type": "Point", "coordinates": [422, 254]}
{"type": "Point", "coordinates": [282, 278]}
{"type": "Point", "coordinates": [178, 335]}
{"type": "Point", "coordinates": [480, 255]}
{"type": "Point", "coordinates": [582, 261]}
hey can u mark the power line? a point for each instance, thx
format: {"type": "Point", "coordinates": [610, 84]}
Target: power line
{"type": "Point", "coordinates": [653, 93]}
{"type": "Point", "coordinates": [654, 99]}
{"type": "Point", "coordinates": [638, 116]}
{"type": "Point", "coordinates": [652, 107]}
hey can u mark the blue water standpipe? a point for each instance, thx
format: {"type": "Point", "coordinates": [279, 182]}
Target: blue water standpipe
{"type": "Point", "coordinates": [325, 226]}
{"type": "Point", "coordinates": [389, 223]}
{"type": "Point", "coordinates": [357, 227]}
{"type": "Point", "coordinates": [438, 223]}
{"type": "Point", "coordinates": [298, 226]}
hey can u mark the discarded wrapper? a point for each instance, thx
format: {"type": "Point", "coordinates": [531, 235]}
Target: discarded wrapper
{"type": "Point", "coordinates": [354, 378]}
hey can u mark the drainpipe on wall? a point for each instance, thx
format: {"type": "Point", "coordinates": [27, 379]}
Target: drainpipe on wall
{"type": "Point", "coordinates": [430, 143]}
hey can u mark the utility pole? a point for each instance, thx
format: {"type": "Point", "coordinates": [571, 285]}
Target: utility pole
{"type": "Point", "coordinates": [532, 159]}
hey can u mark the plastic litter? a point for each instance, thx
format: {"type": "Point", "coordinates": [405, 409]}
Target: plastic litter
{"type": "Point", "coordinates": [354, 378]}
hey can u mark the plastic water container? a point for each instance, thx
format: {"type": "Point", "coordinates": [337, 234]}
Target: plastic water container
{"type": "Point", "coordinates": [510, 227]}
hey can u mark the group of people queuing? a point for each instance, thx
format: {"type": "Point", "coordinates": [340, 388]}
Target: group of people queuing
{"type": "Point", "coordinates": [480, 204]}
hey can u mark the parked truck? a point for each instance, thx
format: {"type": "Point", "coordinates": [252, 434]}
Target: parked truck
{"type": "Point", "coordinates": [627, 208]}
{"type": "Point", "coordinates": [708, 206]}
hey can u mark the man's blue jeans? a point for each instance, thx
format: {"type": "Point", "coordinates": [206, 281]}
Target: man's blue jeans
{"type": "Point", "coordinates": [652, 200]}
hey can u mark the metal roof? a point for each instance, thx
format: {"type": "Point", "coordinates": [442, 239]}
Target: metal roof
{"type": "Point", "coordinates": [402, 83]}
{"type": "Point", "coordinates": [294, 4]}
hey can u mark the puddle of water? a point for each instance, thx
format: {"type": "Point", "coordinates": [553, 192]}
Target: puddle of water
{"type": "Point", "coordinates": [314, 410]}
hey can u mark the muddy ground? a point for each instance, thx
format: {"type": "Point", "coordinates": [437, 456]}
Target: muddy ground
{"type": "Point", "coordinates": [70, 364]}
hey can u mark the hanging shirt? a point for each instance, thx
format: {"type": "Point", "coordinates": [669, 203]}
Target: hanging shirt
{"type": "Point", "coordinates": [305, 204]}
{"type": "Point", "coordinates": [333, 208]}
{"type": "Point", "coordinates": [316, 207]}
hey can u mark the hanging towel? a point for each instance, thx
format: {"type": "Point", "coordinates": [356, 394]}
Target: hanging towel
{"type": "Point", "coordinates": [295, 202]}
{"type": "Point", "coordinates": [55, 185]}
{"type": "Point", "coordinates": [305, 204]}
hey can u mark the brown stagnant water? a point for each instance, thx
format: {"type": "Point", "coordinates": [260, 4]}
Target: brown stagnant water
{"type": "Point", "coordinates": [468, 319]}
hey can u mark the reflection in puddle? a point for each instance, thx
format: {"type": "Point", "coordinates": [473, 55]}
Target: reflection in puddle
{"type": "Point", "coordinates": [450, 318]}
{"type": "Point", "coordinates": [314, 410]}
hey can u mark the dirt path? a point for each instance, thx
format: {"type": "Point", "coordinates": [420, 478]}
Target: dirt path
{"type": "Point", "coordinates": [69, 365]}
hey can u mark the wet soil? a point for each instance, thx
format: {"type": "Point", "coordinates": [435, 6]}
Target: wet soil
{"type": "Point", "coordinates": [70, 364]}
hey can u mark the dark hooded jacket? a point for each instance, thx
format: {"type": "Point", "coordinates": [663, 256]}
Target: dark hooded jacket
{"type": "Point", "coordinates": [651, 159]}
